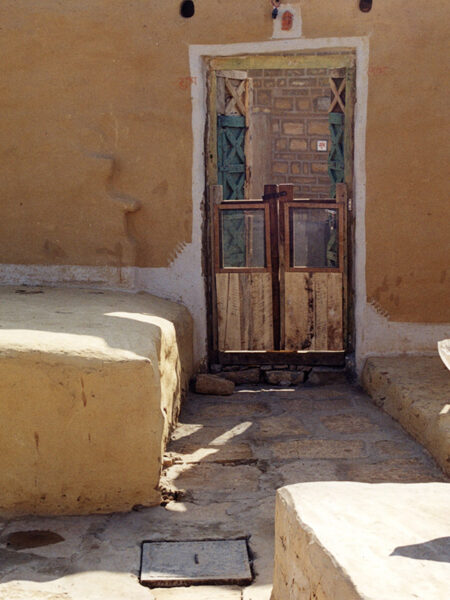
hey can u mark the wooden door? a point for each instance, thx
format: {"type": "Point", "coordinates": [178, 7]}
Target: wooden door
{"type": "Point", "coordinates": [279, 276]}
{"type": "Point", "coordinates": [242, 275]}
{"type": "Point", "coordinates": [312, 272]}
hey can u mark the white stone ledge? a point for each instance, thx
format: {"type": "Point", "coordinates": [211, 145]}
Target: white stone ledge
{"type": "Point", "coordinates": [356, 541]}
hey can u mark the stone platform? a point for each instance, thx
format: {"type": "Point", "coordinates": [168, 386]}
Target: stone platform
{"type": "Point", "coordinates": [356, 541]}
{"type": "Point", "coordinates": [90, 385]}
{"type": "Point", "coordinates": [415, 390]}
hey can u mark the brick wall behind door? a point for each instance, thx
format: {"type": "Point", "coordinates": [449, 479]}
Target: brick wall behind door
{"type": "Point", "coordinates": [297, 101]}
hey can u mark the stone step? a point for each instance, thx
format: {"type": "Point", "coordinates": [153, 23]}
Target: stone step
{"type": "Point", "coordinates": [357, 541]}
{"type": "Point", "coordinates": [414, 390]}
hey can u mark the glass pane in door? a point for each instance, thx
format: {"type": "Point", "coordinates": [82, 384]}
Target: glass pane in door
{"type": "Point", "coordinates": [242, 238]}
{"type": "Point", "coordinates": [314, 237]}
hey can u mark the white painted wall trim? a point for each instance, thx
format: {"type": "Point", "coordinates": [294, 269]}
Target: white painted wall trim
{"type": "Point", "coordinates": [182, 280]}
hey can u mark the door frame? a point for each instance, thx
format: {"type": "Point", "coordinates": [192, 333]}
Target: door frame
{"type": "Point", "coordinates": [345, 58]}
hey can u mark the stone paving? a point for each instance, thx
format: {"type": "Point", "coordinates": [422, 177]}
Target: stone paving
{"type": "Point", "coordinates": [226, 460]}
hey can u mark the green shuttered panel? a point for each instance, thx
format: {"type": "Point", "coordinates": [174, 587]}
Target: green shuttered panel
{"type": "Point", "coordinates": [231, 155]}
{"type": "Point", "coordinates": [336, 155]}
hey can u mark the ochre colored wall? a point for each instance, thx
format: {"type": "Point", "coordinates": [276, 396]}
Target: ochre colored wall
{"type": "Point", "coordinates": [96, 138]}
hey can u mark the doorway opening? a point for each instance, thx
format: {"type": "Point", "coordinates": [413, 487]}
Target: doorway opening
{"type": "Point", "coordinates": [279, 223]}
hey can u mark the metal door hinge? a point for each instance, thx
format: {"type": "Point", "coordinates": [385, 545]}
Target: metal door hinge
{"type": "Point", "coordinates": [349, 203]}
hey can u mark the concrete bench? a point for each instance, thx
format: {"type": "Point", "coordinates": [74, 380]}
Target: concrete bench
{"type": "Point", "coordinates": [90, 385]}
{"type": "Point", "coordinates": [358, 541]}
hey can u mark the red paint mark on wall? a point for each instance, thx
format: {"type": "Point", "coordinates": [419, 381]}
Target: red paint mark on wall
{"type": "Point", "coordinates": [36, 440]}
{"type": "Point", "coordinates": [287, 20]}
{"type": "Point", "coordinates": [185, 82]}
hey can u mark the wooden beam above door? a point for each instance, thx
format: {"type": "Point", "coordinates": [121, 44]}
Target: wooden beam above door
{"type": "Point", "coordinates": [283, 61]}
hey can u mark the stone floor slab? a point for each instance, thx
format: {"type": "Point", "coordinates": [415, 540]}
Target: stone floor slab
{"type": "Point", "coordinates": [183, 563]}
{"type": "Point", "coordinates": [348, 423]}
{"type": "Point", "coordinates": [318, 448]}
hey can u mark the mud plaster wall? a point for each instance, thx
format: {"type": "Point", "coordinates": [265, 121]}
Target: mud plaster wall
{"type": "Point", "coordinates": [96, 144]}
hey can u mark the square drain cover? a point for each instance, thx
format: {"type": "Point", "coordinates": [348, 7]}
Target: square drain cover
{"type": "Point", "coordinates": [171, 564]}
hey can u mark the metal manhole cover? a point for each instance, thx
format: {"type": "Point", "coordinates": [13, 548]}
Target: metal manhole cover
{"type": "Point", "coordinates": [171, 564]}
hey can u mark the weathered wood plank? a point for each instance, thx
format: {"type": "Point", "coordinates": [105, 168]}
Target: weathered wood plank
{"type": "Point", "coordinates": [335, 332]}
{"type": "Point", "coordinates": [320, 311]}
{"type": "Point", "coordinates": [284, 61]}
{"type": "Point", "coordinates": [346, 258]}
{"type": "Point", "coordinates": [214, 199]}
{"type": "Point", "coordinates": [220, 95]}
{"type": "Point", "coordinates": [232, 74]}
{"type": "Point", "coordinates": [260, 161]}
{"type": "Point", "coordinates": [211, 155]}
{"type": "Point", "coordinates": [272, 190]}
{"type": "Point", "coordinates": [332, 359]}
{"type": "Point", "coordinates": [244, 308]}
{"type": "Point", "coordinates": [228, 311]}
{"type": "Point", "coordinates": [261, 311]}
{"type": "Point", "coordinates": [313, 311]}
{"type": "Point", "coordinates": [298, 311]}
{"type": "Point", "coordinates": [287, 189]}
{"type": "Point", "coordinates": [350, 94]}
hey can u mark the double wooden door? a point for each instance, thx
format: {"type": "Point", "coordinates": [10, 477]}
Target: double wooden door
{"type": "Point", "coordinates": [279, 273]}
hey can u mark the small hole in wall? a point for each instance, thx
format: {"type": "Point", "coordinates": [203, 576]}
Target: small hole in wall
{"type": "Point", "coordinates": [365, 5]}
{"type": "Point", "coordinates": [187, 9]}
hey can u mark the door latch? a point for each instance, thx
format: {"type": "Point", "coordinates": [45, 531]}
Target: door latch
{"type": "Point", "coordinates": [274, 195]}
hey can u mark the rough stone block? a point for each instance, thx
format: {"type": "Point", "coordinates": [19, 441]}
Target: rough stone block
{"type": "Point", "coordinates": [319, 167]}
{"type": "Point", "coordinates": [293, 127]}
{"type": "Point", "coordinates": [280, 167]}
{"type": "Point", "coordinates": [284, 103]}
{"type": "Point", "coordinates": [355, 541]}
{"type": "Point", "coordinates": [244, 376]}
{"type": "Point", "coordinates": [279, 377]}
{"type": "Point", "coordinates": [303, 104]}
{"type": "Point", "coordinates": [213, 385]}
{"type": "Point", "coordinates": [316, 127]}
{"type": "Point", "coordinates": [297, 144]}
{"type": "Point", "coordinates": [322, 103]}
{"type": "Point", "coordinates": [281, 144]}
